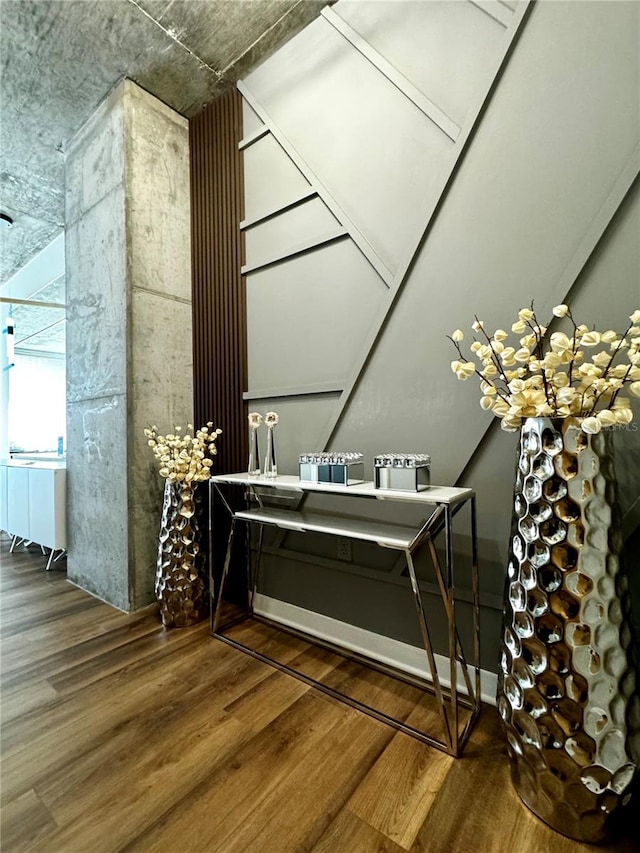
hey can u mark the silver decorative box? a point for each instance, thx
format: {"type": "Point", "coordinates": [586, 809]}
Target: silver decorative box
{"type": "Point", "coordinates": [404, 472]}
{"type": "Point", "coordinates": [342, 468]}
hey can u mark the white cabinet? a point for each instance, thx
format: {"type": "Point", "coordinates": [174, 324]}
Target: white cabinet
{"type": "Point", "coordinates": [4, 519]}
{"type": "Point", "coordinates": [18, 501]}
{"type": "Point", "coordinates": [47, 516]}
{"type": "Point", "coordinates": [35, 502]}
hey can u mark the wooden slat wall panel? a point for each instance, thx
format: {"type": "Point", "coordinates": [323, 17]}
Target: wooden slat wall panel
{"type": "Point", "coordinates": [219, 312]}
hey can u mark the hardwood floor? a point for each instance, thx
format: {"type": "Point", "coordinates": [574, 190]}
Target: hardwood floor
{"type": "Point", "coordinates": [120, 736]}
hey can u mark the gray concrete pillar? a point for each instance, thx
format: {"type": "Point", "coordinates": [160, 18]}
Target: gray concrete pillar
{"type": "Point", "coordinates": [129, 355]}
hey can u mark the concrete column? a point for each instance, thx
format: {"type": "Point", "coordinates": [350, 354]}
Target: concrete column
{"type": "Point", "coordinates": [129, 354]}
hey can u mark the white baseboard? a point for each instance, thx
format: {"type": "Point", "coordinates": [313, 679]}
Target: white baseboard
{"type": "Point", "coordinates": [403, 656]}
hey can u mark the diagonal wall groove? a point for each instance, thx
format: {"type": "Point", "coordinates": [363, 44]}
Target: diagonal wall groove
{"type": "Point", "coordinates": [356, 235]}
{"type": "Point", "coordinates": [404, 268]}
{"type": "Point", "coordinates": [431, 110]}
{"type": "Point", "coordinates": [521, 207]}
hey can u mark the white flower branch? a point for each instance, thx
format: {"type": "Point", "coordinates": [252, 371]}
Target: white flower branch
{"type": "Point", "coordinates": [184, 458]}
{"type": "Point", "coordinates": [559, 381]}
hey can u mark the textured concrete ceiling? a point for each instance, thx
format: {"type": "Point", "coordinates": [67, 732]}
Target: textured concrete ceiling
{"type": "Point", "coordinates": [39, 329]}
{"type": "Point", "coordinates": [60, 58]}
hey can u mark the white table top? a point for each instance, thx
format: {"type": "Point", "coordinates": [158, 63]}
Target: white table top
{"type": "Point", "coordinates": [39, 464]}
{"type": "Point", "coordinates": [431, 495]}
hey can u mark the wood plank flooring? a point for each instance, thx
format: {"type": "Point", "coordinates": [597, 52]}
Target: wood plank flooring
{"type": "Point", "coordinates": [120, 736]}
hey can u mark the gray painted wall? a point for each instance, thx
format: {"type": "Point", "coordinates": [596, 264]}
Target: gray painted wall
{"type": "Point", "coordinates": [129, 361]}
{"type": "Point", "coordinates": [468, 179]}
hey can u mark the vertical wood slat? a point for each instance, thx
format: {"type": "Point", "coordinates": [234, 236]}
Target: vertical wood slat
{"type": "Point", "coordinates": [219, 316]}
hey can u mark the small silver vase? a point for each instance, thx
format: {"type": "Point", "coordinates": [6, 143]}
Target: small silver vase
{"type": "Point", "coordinates": [270, 466]}
{"type": "Point", "coordinates": [254, 454]}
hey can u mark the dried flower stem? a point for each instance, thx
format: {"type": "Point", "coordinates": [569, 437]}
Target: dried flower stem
{"type": "Point", "coordinates": [560, 382]}
{"type": "Point", "coordinates": [499, 391]}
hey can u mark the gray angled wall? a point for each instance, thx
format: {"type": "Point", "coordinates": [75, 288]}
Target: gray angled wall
{"type": "Point", "coordinates": [406, 165]}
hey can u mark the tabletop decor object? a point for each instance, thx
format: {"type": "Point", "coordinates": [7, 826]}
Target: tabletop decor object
{"type": "Point", "coordinates": [344, 468]}
{"type": "Point", "coordinates": [404, 471]}
{"type": "Point", "coordinates": [185, 461]}
{"type": "Point", "coordinates": [270, 466]}
{"type": "Point", "coordinates": [566, 690]}
{"type": "Point", "coordinates": [255, 419]}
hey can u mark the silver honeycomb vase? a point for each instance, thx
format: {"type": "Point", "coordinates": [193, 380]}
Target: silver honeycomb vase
{"type": "Point", "coordinates": [566, 692]}
{"type": "Point", "coordinates": [180, 586]}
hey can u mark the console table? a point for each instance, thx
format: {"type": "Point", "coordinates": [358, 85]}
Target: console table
{"type": "Point", "coordinates": [440, 504]}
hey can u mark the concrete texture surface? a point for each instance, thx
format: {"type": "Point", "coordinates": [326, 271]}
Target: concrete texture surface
{"type": "Point", "coordinates": [61, 58]}
{"type": "Point", "coordinates": [129, 352]}
{"type": "Point", "coordinates": [96, 301]}
{"type": "Point", "coordinates": [97, 515]}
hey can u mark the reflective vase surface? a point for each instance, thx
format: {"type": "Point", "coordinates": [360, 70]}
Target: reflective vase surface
{"type": "Point", "coordinates": [566, 692]}
{"type": "Point", "coordinates": [254, 454]}
{"type": "Point", "coordinates": [179, 585]}
{"type": "Point", "coordinates": [270, 464]}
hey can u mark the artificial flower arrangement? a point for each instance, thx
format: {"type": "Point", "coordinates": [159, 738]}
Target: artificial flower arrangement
{"type": "Point", "coordinates": [270, 419]}
{"type": "Point", "coordinates": [184, 458]}
{"type": "Point", "coordinates": [558, 378]}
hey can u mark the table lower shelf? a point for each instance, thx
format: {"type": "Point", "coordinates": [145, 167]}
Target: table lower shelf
{"type": "Point", "coordinates": [384, 534]}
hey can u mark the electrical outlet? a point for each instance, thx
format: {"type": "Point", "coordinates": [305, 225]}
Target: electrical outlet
{"type": "Point", "coordinates": [344, 549]}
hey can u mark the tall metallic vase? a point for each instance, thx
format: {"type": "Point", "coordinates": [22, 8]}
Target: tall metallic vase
{"type": "Point", "coordinates": [566, 692]}
{"type": "Point", "coordinates": [180, 586]}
